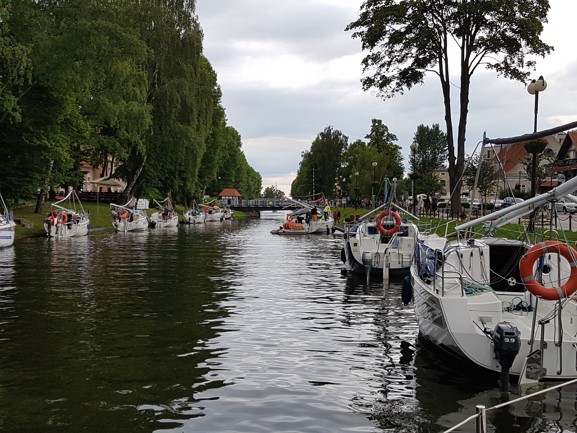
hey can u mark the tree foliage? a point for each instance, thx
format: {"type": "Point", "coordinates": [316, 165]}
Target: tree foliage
{"type": "Point", "coordinates": [272, 192]}
{"type": "Point", "coordinates": [317, 169]}
{"type": "Point", "coordinates": [332, 166]}
{"type": "Point", "coordinates": [486, 175]}
{"type": "Point", "coordinates": [122, 85]}
{"type": "Point", "coordinates": [430, 154]}
{"type": "Point", "coordinates": [544, 162]}
{"type": "Point", "coordinates": [408, 39]}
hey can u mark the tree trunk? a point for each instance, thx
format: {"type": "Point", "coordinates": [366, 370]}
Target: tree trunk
{"type": "Point", "coordinates": [128, 192]}
{"type": "Point", "coordinates": [39, 201]}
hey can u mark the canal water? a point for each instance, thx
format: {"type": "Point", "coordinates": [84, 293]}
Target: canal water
{"type": "Point", "coordinates": [225, 328]}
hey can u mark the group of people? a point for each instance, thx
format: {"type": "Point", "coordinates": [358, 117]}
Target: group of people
{"type": "Point", "coordinates": [427, 205]}
{"type": "Point", "coordinates": [314, 214]}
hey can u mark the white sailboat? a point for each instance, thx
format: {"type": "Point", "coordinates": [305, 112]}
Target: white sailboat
{"type": "Point", "coordinates": [67, 218]}
{"type": "Point", "coordinates": [504, 304]}
{"type": "Point", "coordinates": [165, 216]}
{"type": "Point", "coordinates": [128, 218]}
{"type": "Point", "coordinates": [7, 226]}
{"type": "Point", "coordinates": [380, 245]}
{"type": "Point", "coordinates": [204, 213]}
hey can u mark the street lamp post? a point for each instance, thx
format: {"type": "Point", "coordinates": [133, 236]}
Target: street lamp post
{"type": "Point", "coordinates": [414, 148]}
{"type": "Point", "coordinates": [519, 183]}
{"type": "Point", "coordinates": [374, 164]}
{"type": "Point", "coordinates": [534, 88]}
{"type": "Point", "coordinates": [537, 146]}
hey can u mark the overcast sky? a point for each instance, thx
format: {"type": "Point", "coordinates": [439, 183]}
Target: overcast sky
{"type": "Point", "coordinates": [288, 70]}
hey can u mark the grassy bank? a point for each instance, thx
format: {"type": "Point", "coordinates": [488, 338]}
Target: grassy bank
{"type": "Point", "coordinates": [32, 224]}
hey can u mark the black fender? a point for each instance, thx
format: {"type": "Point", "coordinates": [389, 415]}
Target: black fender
{"type": "Point", "coordinates": [407, 290]}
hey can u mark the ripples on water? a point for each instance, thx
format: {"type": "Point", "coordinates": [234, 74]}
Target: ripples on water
{"type": "Point", "coordinates": [222, 328]}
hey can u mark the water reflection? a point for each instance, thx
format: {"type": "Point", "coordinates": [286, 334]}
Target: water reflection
{"type": "Point", "coordinates": [219, 328]}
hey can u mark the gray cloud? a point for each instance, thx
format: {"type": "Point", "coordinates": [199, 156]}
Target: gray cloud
{"type": "Point", "coordinates": [288, 69]}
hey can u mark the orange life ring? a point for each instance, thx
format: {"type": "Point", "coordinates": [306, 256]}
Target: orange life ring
{"type": "Point", "coordinates": [395, 229]}
{"type": "Point", "coordinates": [123, 214]}
{"type": "Point", "coordinates": [528, 276]}
{"type": "Point", "coordinates": [52, 218]}
{"type": "Point", "coordinates": [290, 217]}
{"type": "Point", "coordinates": [62, 218]}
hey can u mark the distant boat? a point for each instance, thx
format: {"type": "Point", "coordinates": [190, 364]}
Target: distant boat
{"type": "Point", "coordinates": [193, 215]}
{"type": "Point", "coordinates": [204, 213]}
{"type": "Point", "coordinates": [67, 221]}
{"type": "Point", "coordinates": [165, 216]}
{"type": "Point", "coordinates": [308, 219]}
{"type": "Point", "coordinates": [127, 218]}
{"type": "Point", "coordinates": [375, 243]}
{"type": "Point", "coordinates": [7, 226]}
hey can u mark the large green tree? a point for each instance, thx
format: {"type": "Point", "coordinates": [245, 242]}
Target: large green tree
{"type": "Point", "coordinates": [15, 68]}
{"type": "Point", "coordinates": [407, 39]}
{"type": "Point", "coordinates": [430, 154]}
{"type": "Point", "coordinates": [122, 85]}
{"type": "Point", "coordinates": [319, 166]}
{"type": "Point", "coordinates": [482, 173]}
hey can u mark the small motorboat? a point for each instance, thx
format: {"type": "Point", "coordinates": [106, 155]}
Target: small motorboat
{"type": "Point", "coordinates": [306, 220]}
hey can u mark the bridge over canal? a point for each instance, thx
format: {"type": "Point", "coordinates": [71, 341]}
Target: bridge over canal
{"type": "Point", "coordinates": [262, 204]}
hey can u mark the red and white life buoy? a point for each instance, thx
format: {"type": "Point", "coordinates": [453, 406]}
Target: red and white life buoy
{"type": "Point", "coordinates": [62, 218]}
{"type": "Point", "coordinates": [395, 229]}
{"type": "Point", "coordinates": [527, 262]}
{"type": "Point", "coordinates": [124, 214]}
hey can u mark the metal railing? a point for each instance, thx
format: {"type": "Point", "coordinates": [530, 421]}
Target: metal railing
{"type": "Point", "coordinates": [481, 416]}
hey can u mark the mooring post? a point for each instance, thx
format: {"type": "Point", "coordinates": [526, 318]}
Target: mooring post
{"type": "Point", "coordinates": [481, 419]}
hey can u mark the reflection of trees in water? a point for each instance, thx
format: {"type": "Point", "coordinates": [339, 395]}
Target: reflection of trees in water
{"type": "Point", "coordinates": [390, 331]}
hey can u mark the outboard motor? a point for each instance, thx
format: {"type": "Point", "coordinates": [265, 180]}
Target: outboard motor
{"type": "Point", "coordinates": [367, 258]}
{"type": "Point", "coordinates": [507, 343]}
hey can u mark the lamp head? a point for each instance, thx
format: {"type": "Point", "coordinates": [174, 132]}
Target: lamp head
{"type": "Point", "coordinates": [537, 85]}
{"type": "Point", "coordinates": [374, 164]}
{"type": "Point", "coordinates": [540, 84]}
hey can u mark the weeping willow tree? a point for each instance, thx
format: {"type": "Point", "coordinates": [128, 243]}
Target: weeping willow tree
{"type": "Point", "coordinates": [123, 85]}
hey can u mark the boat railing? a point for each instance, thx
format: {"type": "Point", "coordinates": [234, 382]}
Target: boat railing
{"type": "Point", "coordinates": [480, 417]}
{"type": "Point", "coordinates": [445, 274]}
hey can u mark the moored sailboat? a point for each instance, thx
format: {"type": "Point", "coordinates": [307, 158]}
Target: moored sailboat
{"type": "Point", "coordinates": [165, 216]}
{"type": "Point", "coordinates": [128, 218]}
{"type": "Point", "coordinates": [505, 304]}
{"type": "Point", "coordinates": [379, 245]}
{"type": "Point", "coordinates": [67, 218]}
{"type": "Point", "coordinates": [7, 226]}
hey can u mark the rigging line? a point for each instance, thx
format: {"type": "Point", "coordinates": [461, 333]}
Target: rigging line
{"type": "Point", "coordinates": [501, 165]}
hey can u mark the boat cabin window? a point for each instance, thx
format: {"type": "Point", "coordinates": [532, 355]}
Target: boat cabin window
{"type": "Point", "coordinates": [504, 262]}
{"type": "Point", "coordinates": [372, 230]}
